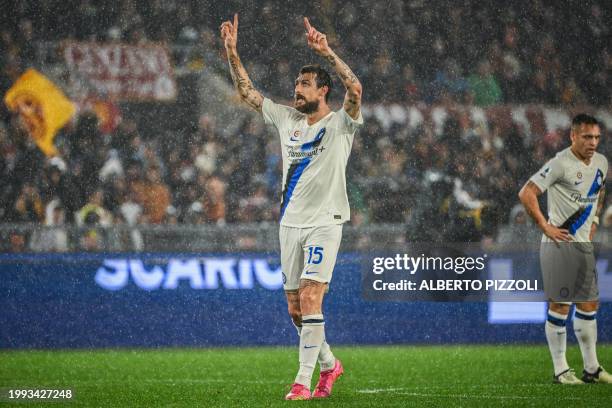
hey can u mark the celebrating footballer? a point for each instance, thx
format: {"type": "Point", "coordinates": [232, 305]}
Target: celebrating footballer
{"type": "Point", "coordinates": [316, 143]}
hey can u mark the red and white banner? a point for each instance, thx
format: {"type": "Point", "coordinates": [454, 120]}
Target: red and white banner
{"type": "Point", "coordinates": [124, 72]}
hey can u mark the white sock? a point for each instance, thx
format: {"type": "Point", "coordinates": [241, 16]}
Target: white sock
{"type": "Point", "coordinates": [326, 358]}
{"type": "Point", "coordinates": [311, 339]}
{"type": "Point", "coordinates": [298, 328]}
{"type": "Point", "coordinates": [556, 335]}
{"type": "Point", "coordinates": [585, 328]}
{"type": "Point", "coordinates": [327, 361]}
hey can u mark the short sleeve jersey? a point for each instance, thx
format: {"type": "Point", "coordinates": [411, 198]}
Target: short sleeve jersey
{"type": "Point", "coordinates": [573, 190]}
{"type": "Point", "coordinates": [314, 165]}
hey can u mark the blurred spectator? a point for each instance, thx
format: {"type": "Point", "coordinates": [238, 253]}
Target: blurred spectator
{"type": "Point", "coordinates": [28, 206]}
{"type": "Point", "coordinates": [449, 81]}
{"type": "Point", "coordinates": [484, 86]}
{"type": "Point", "coordinates": [54, 237]}
{"type": "Point", "coordinates": [519, 230]}
{"type": "Point", "coordinates": [93, 212]}
{"type": "Point", "coordinates": [194, 215]}
{"type": "Point", "coordinates": [214, 199]}
{"type": "Point", "coordinates": [156, 196]}
{"type": "Point", "coordinates": [171, 217]}
{"type": "Point", "coordinates": [130, 210]}
{"type": "Point", "coordinates": [256, 206]}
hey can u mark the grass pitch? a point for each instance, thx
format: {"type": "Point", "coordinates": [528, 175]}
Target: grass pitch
{"type": "Point", "coordinates": [439, 376]}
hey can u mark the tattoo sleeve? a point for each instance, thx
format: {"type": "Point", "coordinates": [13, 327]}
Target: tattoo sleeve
{"type": "Point", "coordinates": [601, 201]}
{"type": "Point", "coordinates": [352, 99]}
{"type": "Point", "coordinates": [243, 83]}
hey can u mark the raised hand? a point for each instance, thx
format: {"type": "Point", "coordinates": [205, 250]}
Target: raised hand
{"type": "Point", "coordinates": [229, 32]}
{"type": "Point", "coordinates": [316, 40]}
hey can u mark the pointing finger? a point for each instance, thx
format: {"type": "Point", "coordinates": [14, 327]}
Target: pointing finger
{"type": "Point", "coordinates": [307, 24]}
{"type": "Point", "coordinates": [236, 23]}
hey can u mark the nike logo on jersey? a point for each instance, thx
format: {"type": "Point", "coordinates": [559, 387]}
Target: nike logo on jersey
{"type": "Point", "coordinates": [310, 273]}
{"type": "Point", "coordinates": [310, 347]}
{"type": "Point", "coordinates": [293, 140]}
{"type": "Point", "coordinates": [578, 182]}
{"type": "Point", "coordinates": [545, 172]}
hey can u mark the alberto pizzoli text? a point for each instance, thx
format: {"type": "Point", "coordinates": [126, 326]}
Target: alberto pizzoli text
{"type": "Point", "coordinates": [459, 265]}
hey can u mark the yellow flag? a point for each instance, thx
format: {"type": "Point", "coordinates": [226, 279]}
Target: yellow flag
{"type": "Point", "coordinates": [42, 106]}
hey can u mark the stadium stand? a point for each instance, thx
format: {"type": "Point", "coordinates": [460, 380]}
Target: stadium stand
{"type": "Point", "coordinates": [463, 102]}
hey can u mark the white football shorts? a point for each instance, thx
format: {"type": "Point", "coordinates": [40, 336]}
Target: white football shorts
{"type": "Point", "coordinates": [308, 253]}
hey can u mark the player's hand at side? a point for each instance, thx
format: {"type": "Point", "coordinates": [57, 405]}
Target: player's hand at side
{"type": "Point", "coordinates": [593, 231]}
{"type": "Point", "coordinates": [316, 40]}
{"type": "Point", "coordinates": [229, 32]}
{"type": "Point", "coordinates": [556, 234]}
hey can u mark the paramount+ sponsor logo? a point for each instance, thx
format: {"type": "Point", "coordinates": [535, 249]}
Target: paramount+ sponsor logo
{"type": "Point", "coordinates": [197, 273]}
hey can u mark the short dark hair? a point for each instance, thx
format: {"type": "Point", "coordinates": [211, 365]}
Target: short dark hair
{"type": "Point", "coordinates": [584, 119]}
{"type": "Point", "coordinates": [323, 78]}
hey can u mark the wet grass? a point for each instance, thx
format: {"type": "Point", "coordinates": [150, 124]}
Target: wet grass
{"type": "Point", "coordinates": [402, 376]}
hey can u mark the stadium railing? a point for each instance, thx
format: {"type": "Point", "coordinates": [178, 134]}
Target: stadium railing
{"type": "Point", "coordinates": [35, 238]}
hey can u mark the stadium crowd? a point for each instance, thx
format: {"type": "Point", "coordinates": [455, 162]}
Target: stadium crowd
{"type": "Point", "coordinates": [444, 183]}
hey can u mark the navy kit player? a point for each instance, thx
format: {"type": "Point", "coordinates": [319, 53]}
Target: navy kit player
{"type": "Point", "coordinates": [316, 143]}
{"type": "Point", "coordinates": [575, 181]}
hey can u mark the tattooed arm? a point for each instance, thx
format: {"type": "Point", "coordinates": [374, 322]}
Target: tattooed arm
{"type": "Point", "coordinates": [529, 198]}
{"type": "Point", "coordinates": [601, 200]}
{"type": "Point", "coordinates": [242, 82]}
{"type": "Point", "coordinates": [318, 42]}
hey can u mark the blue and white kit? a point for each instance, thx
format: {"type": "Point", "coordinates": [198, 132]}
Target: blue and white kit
{"type": "Point", "coordinates": [568, 268]}
{"type": "Point", "coordinates": [573, 190]}
{"type": "Point", "coordinates": [314, 202]}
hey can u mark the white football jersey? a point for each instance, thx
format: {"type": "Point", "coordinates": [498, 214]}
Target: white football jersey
{"type": "Point", "coordinates": [314, 165]}
{"type": "Point", "coordinates": [573, 190]}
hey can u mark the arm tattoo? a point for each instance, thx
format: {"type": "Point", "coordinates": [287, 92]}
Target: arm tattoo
{"type": "Point", "coordinates": [600, 201]}
{"type": "Point", "coordinates": [344, 72]}
{"type": "Point", "coordinates": [243, 84]}
{"type": "Point", "coordinates": [352, 100]}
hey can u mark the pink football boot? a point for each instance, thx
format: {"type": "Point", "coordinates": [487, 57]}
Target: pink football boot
{"type": "Point", "coordinates": [327, 380]}
{"type": "Point", "coordinates": [298, 392]}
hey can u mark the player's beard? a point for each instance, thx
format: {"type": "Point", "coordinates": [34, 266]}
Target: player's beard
{"type": "Point", "coordinates": [308, 107]}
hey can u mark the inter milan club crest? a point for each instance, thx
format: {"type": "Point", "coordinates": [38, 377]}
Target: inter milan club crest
{"type": "Point", "coordinates": [579, 175]}
{"type": "Point", "coordinates": [296, 136]}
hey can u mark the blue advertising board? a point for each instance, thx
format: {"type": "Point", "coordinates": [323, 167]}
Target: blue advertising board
{"type": "Point", "coordinates": [160, 299]}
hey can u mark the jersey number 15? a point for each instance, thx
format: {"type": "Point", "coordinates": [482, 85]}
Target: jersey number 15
{"type": "Point", "coordinates": [315, 255]}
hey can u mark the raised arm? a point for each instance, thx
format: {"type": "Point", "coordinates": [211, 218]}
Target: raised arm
{"type": "Point", "coordinates": [529, 198]}
{"type": "Point", "coordinates": [242, 82]}
{"type": "Point", "coordinates": [318, 42]}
